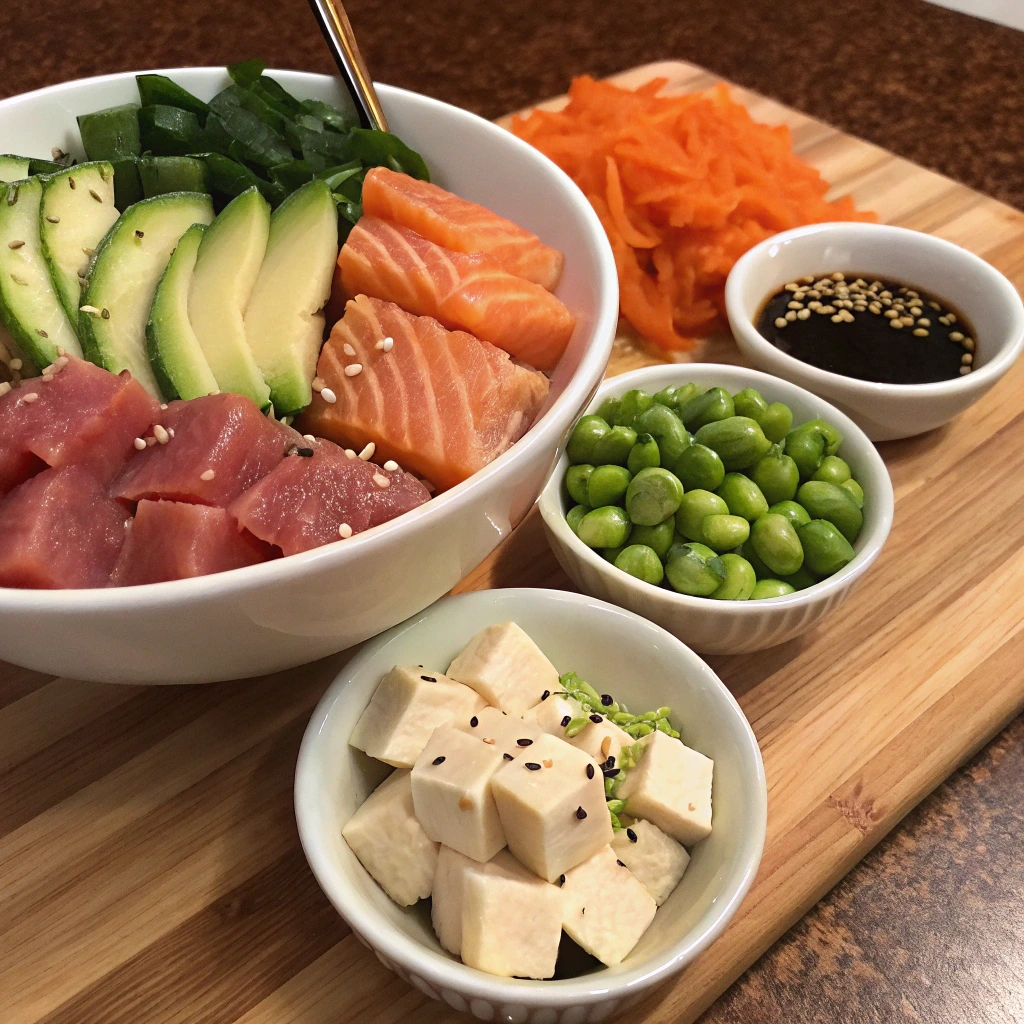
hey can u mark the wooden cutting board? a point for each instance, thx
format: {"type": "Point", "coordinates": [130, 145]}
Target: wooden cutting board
{"type": "Point", "coordinates": [149, 866]}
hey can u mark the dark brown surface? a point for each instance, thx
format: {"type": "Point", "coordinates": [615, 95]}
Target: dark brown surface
{"type": "Point", "coordinates": [931, 926]}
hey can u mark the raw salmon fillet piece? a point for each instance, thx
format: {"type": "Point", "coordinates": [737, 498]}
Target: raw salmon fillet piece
{"type": "Point", "coordinates": [458, 224]}
{"type": "Point", "coordinates": [464, 292]}
{"type": "Point", "coordinates": [440, 403]}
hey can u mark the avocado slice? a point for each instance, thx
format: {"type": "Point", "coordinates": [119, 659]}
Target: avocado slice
{"type": "Point", "coordinates": [14, 168]}
{"type": "Point", "coordinates": [284, 325]}
{"type": "Point", "coordinates": [77, 211]}
{"type": "Point", "coordinates": [229, 260]}
{"type": "Point", "coordinates": [29, 305]}
{"type": "Point", "coordinates": [181, 368]}
{"type": "Point", "coordinates": [128, 264]}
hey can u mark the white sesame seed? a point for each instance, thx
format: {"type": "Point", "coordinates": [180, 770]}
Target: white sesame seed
{"type": "Point", "coordinates": [391, 465]}
{"type": "Point", "coordinates": [318, 384]}
{"type": "Point", "coordinates": [140, 444]}
{"type": "Point", "coordinates": [308, 437]}
{"type": "Point", "coordinates": [352, 369]}
{"type": "Point", "coordinates": [380, 345]}
{"type": "Point", "coordinates": [150, 441]}
{"type": "Point", "coordinates": [348, 349]}
{"type": "Point", "coordinates": [4, 388]}
{"type": "Point", "coordinates": [381, 480]}
{"type": "Point", "coordinates": [344, 531]}
{"type": "Point", "coordinates": [207, 474]}
{"type": "Point", "coordinates": [30, 397]}
{"type": "Point", "coordinates": [891, 314]}
{"type": "Point", "coordinates": [15, 364]}
{"type": "Point", "coordinates": [350, 453]}
{"type": "Point", "coordinates": [163, 405]}
{"type": "Point", "coordinates": [161, 434]}
{"type": "Point", "coordinates": [328, 396]}
{"type": "Point", "coordinates": [93, 310]}
{"type": "Point", "coordinates": [367, 452]}
{"type": "Point", "coordinates": [389, 344]}
{"type": "Point", "coordinates": [170, 431]}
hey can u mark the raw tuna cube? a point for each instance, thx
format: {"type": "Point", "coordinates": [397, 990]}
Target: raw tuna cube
{"type": "Point", "coordinates": [509, 734]}
{"type": "Point", "coordinates": [657, 860]}
{"type": "Point", "coordinates": [606, 908]}
{"type": "Point", "coordinates": [671, 786]}
{"type": "Point", "coordinates": [506, 668]}
{"type": "Point", "coordinates": [552, 807]}
{"type": "Point", "coordinates": [451, 791]}
{"type": "Point", "coordinates": [389, 842]}
{"type": "Point", "coordinates": [407, 706]}
{"type": "Point", "coordinates": [60, 529]}
{"type": "Point", "coordinates": [221, 445]}
{"type": "Point", "coordinates": [304, 502]}
{"type": "Point", "coordinates": [172, 540]}
{"type": "Point", "coordinates": [554, 713]}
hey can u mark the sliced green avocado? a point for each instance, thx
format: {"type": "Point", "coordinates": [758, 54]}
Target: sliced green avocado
{"type": "Point", "coordinates": [128, 264]}
{"type": "Point", "coordinates": [77, 211]}
{"type": "Point", "coordinates": [29, 305]}
{"type": "Point", "coordinates": [229, 260]}
{"type": "Point", "coordinates": [181, 368]}
{"type": "Point", "coordinates": [14, 168]}
{"type": "Point", "coordinates": [284, 325]}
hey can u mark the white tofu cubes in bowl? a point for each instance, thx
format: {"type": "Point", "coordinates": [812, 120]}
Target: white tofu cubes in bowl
{"type": "Point", "coordinates": [525, 805]}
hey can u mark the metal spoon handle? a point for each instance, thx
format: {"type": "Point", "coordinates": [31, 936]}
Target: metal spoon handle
{"type": "Point", "coordinates": [334, 23]}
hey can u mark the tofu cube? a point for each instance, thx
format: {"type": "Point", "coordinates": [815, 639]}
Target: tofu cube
{"type": "Point", "coordinates": [602, 740]}
{"type": "Point", "coordinates": [506, 668]}
{"type": "Point", "coordinates": [671, 787]}
{"type": "Point", "coordinates": [511, 921]}
{"type": "Point", "coordinates": [655, 859]}
{"type": "Point", "coordinates": [508, 733]}
{"type": "Point", "coordinates": [554, 713]}
{"type": "Point", "coordinates": [390, 842]}
{"type": "Point", "coordinates": [552, 807]}
{"type": "Point", "coordinates": [446, 898]}
{"type": "Point", "coordinates": [606, 908]}
{"type": "Point", "coordinates": [407, 706]}
{"type": "Point", "coordinates": [451, 792]}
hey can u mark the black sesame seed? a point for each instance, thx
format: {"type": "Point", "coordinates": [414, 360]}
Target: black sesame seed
{"type": "Point", "coordinates": [508, 757]}
{"type": "Point", "coordinates": [610, 773]}
{"type": "Point", "coordinates": [533, 766]}
{"type": "Point", "coordinates": [474, 722]}
{"type": "Point", "coordinates": [590, 771]}
{"type": "Point", "coordinates": [597, 719]}
{"type": "Point", "coordinates": [561, 879]}
{"type": "Point", "coordinates": [606, 699]}
{"type": "Point", "coordinates": [545, 695]}
{"type": "Point", "coordinates": [630, 835]}
{"type": "Point", "coordinates": [429, 679]}
{"type": "Point", "coordinates": [619, 862]}
{"type": "Point", "coordinates": [306, 453]}
{"type": "Point", "coordinates": [566, 720]}
{"type": "Point", "coordinates": [610, 763]}
{"type": "Point", "coordinates": [524, 742]}
{"type": "Point", "coordinates": [438, 760]}
{"type": "Point", "coordinates": [580, 813]}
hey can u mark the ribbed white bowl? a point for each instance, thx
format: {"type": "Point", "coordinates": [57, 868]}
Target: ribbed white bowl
{"type": "Point", "coordinates": [727, 627]}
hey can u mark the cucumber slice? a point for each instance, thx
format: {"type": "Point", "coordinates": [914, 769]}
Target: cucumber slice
{"type": "Point", "coordinates": [123, 277]}
{"type": "Point", "coordinates": [14, 168]}
{"type": "Point", "coordinates": [29, 305]}
{"type": "Point", "coordinates": [230, 256]}
{"type": "Point", "coordinates": [113, 134]}
{"type": "Point", "coordinates": [77, 211]}
{"type": "Point", "coordinates": [170, 131]}
{"type": "Point", "coordinates": [160, 89]}
{"type": "Point", "coordinates": [181, 368]}
{"type": "Point", "coordinates": [284, 325]}
{"type": "Point", "coordinates": [162, 174]}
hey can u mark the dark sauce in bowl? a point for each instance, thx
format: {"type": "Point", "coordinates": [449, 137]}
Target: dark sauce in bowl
{"type": "Point", "coordinates": [844, 323]}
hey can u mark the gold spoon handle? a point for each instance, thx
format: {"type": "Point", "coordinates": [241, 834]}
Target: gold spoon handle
{"type": "Point", "coordinates": [334, 23]}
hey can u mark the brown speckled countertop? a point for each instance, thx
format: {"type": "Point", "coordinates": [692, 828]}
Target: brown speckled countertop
{"type": "Point", "coordinates": [930, 927]}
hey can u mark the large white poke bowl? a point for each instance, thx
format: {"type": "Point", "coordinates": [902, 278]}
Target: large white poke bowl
{"type": "Point", "coordinates": [293, 610]}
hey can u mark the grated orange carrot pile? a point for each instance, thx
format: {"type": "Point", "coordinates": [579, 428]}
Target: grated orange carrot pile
{"type": "Point", "coordinates": [684, 185]}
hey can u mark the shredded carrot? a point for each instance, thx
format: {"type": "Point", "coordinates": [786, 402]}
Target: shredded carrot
{"type": "Point", "coordinates": [684, 185]}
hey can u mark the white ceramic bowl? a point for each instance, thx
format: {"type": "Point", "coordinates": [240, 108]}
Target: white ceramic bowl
{"type": "Point", "coordinates": [616, 651]}
{"type": "Point", "coordinates": [293, 610]}
{"type": "Point", "coordinates": [727, 627]}
{"type": "Point", "coordinates": [883, 411]}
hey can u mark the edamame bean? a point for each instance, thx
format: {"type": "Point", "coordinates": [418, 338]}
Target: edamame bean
{"type": "Point", "coordinates": [691, 573]}
{"type": "Point", "coordinates": [587, 432]}
{"type": "Point", "coordinates": [776, 544]}
{"type": "Point", "coordinates": [645, 454]}
{"type": "Point", "coordinates": [806, 447]}
{"type": "Point", "coordinates": [749, 402]}
{"type": "Point", "coordinates": [610, 554]}
{"type": "Point", "coordinates": [702, 549]}
{"type": "Point", "coordinates": [855, 491]}
{"type": "Point", "coordinates": [683, 394]}
{"type": "Point", "coordinates": [576, 478]}
{"type": "Point", "coordinates": [709, 407]}
{"type": "Point", "coordinates": [614, 447]}
{"type": "Point", "coordinates": [828, 501]}
{"type": "Point", "coordinates": [825, 548]}
{"type": "Point", "coordinates": [769, 588]}
{"type": "Point", "coordinates": [723, 533]}
{"type": "Point", "coordinates": [659, 537]}
{"type": "Point", "coordinates": [833, 439]}
{"type": "Point", "coordinates": [667, 429]}
{"type": "Point", "coordinates": [665, 396]}
{"type": "Point", "coordinates": [760, 569]}
{"type": "Point", "coordinates": [631, 404]}
{"type": "Point", "coordinates": [677, 548]}
{"type": "Point", "coordinates": [801, 579]}
{"type": "Point", "coordinates": [777, 476]}
{"type": "Point", "coordinates": [653, 495]}
{"type": "Point", "coordinates": [796, 514]}
{"type": "Point", "coordinates": [574, 515]}
{"type": "Point", "coordinates": [776, 421]}
{"type": "Point", "coordinates": [739, 580]}
{"type": "Point", "coordinates": [608, 409]}
{"type": "Point", "coordinates": [606, 527]}
{"type": "Point", "coordinates": [642, 562]}
{"type": "Point", "coordinates": [739, 441]}
{"type": "Point", "coordinates": [833, 470]}
{"type": "Point", "coordinates": [692, 510]}
{"type": "Point", "coordinates": [743, 496]}
{"type": "Point", "coordinates": [607, 485]}
{"type": "Point", "coordinates": [699, 468]}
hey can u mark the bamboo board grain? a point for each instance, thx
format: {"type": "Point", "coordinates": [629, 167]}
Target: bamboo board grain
{"type": "Point", "coordinates": [149, 865]}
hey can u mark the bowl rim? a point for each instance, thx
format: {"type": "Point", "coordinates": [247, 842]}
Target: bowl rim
{"type": "Point", "coordinates": [755, 261]}
{"type": "Point", "coordinates": [234, 581]}
{"type": "Point", "coordinates": [552, 503]}
{"type": "Point", "coordinates": [439, 969]}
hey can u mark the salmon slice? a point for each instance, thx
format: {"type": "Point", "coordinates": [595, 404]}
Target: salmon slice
{"type": "Point", "coordinates": [441, 403]}
{"type": "Point", "coordinates": [458, 224]}
{"type": "Point", "coordinates": [464, 292]}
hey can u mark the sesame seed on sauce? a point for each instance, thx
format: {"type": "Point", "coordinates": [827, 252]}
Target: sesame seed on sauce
{"type": "Point", "coordinates": [566, 720]}
{"type": "Point", "coordinates": [344, 531]}
{"type": "Point", "coordinates": [431, 679]}
{"type": "Point", "coordinates": [474, 722]}
{"type": "Point", "coordinates": [580, 813]}
{"type": "Point", "coordinates": [367, 452]}
{"type": "Point", "coordinates": [161, 434]}
{"type": "Point", "coordinates": [381, 480]}
{"type": "Point", "coordinates": [597, 719]}
{"type": "Point", "coordinates": [590, 771]}
{"type": "Point", "coordinates": [348, 349]}
{"type": "Point", "coordinates": [328, 396]}
{"type": "Point", "coordinates": [140, 444]}
{"type": "Point", "coordinates": [524, 742]}
{"type": "Point", "coordinates": [30, 398]}
{"type": "Point", "coordinates": [351, 370]}
{"type": "Point", "coordinates": [533, 766]}
{"type": "Point", "coordinates": [438, 760]}
{"type": "Point", "coordinates": [630, 835]}
{"type": "Point", "coordinates": [207, 474]}
{"type": "Point", "coordinates": [508, 757]}
{"type": "Point", "coordinates": [391, 465]}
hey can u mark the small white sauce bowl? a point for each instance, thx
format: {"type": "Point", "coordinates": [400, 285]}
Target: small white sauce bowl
{"type": "Point", "coordinates": [944, 270]}
{"type": "Point", "coordinates": [616, 651]}
{"type": "Point", "coordinates": [727, 627]}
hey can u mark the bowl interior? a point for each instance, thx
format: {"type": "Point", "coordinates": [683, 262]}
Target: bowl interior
{"type": "Point", "coordinates": [616, 651]}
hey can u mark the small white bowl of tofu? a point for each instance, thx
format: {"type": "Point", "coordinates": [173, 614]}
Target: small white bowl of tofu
{"type": "Point", "coordinates": [528, 802]}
